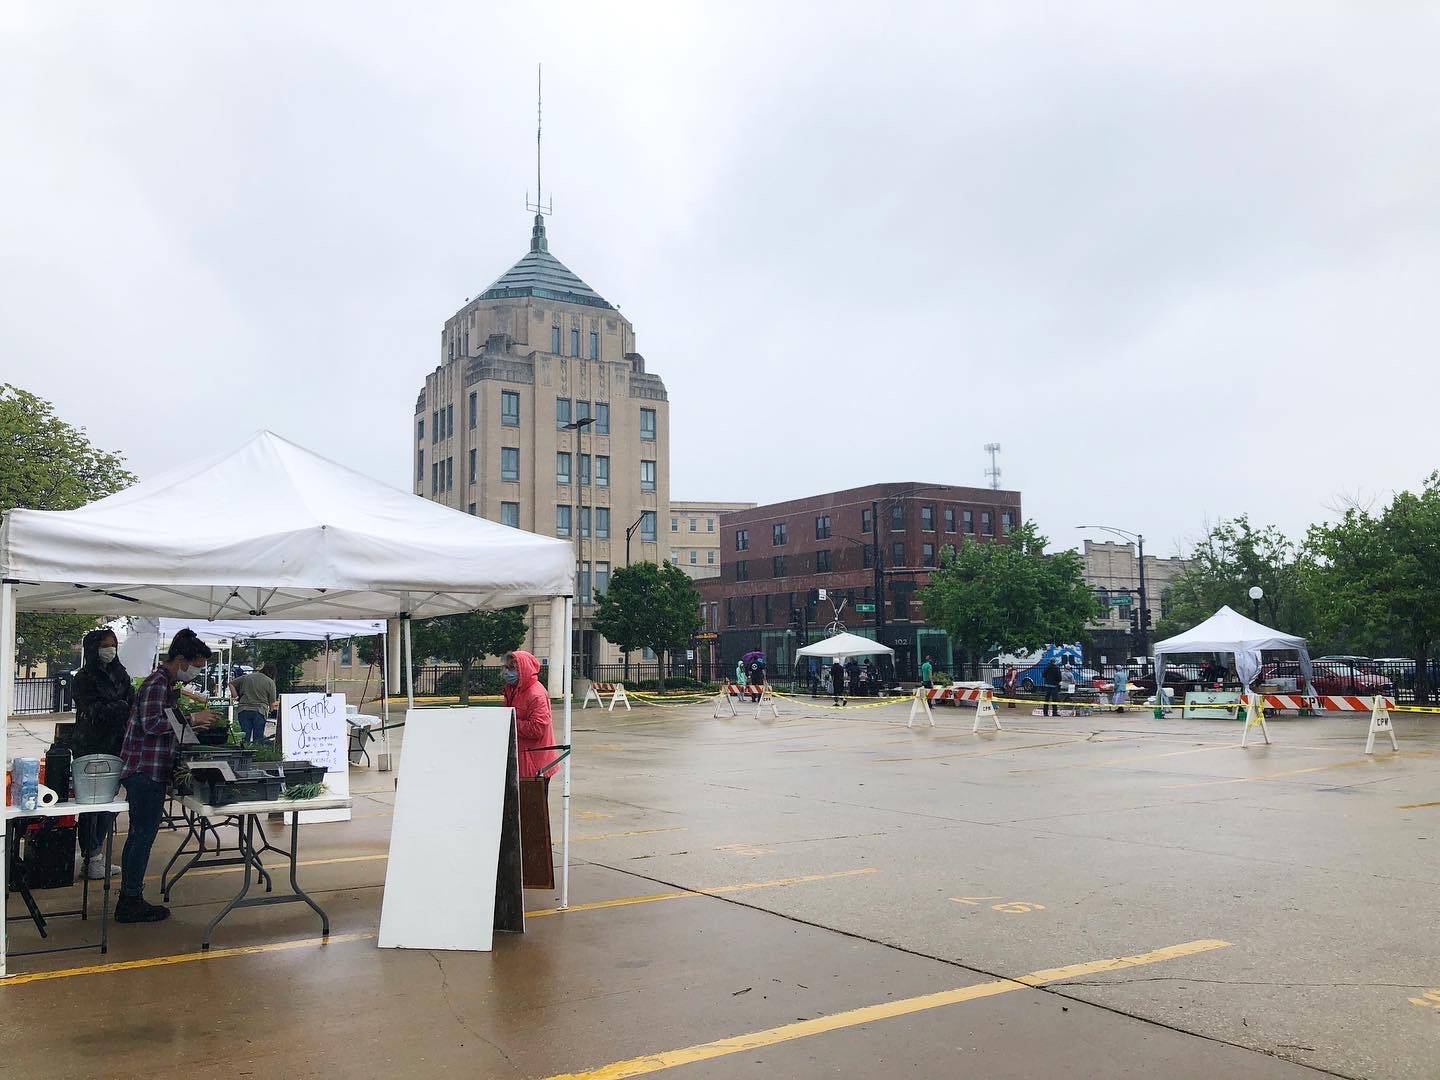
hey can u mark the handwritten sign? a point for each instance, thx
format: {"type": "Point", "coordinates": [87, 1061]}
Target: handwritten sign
{"type": "Point", "coordinates": [312, 728]}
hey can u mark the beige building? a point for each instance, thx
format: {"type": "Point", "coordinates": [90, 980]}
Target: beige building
{"type": "Point", "coordinates": [695, 535]}
{"type": "Point", "coordinates": [537, 351]}
{"type": "Point", "coordinates": [1113, 571]}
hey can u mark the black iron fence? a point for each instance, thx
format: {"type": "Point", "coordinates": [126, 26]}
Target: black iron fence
{"type": "Point", "coordinates": [39, 695]}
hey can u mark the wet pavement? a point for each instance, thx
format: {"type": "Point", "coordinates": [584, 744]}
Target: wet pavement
{"type": "Point", "coordinates": [831, 894]}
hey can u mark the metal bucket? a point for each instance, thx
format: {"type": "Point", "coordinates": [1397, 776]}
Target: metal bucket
{"type": "Point", "coordinates": [96, 778]}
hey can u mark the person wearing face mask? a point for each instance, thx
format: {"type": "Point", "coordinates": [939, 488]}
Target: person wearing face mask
{"type": "Point", "coordinates": [533, 727]}
{"type": "Point", "coordinates": [103, 694]}
{"type": "Point", "coordinates": [147, 764]}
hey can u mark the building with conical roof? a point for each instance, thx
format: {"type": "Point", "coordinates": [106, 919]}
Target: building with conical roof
{"type": "Point", "coordinates": [541, 415]}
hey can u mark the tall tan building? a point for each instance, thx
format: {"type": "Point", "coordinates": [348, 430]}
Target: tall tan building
{"type": "Point", "coordinates": [695, 535]}
{"type": "Point", "coordinates": [541, 416]}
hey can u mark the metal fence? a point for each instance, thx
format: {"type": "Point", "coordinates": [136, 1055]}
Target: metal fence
{"type": "Point", "coordinates": [38, 695]}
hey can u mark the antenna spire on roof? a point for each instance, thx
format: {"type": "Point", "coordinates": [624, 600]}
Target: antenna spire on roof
{"type": "Point", "coordinates": [537, 233]}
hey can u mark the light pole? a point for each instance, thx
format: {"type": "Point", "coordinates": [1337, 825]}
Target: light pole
{"type": "Point", "coordinates": [1256, 595]}
{"type": "Point", "coordinates": [1142, 645]}
{"type": "Point", "coordinates": [628, 534]}
{"type": "Point", "coordinates": [575, 427]}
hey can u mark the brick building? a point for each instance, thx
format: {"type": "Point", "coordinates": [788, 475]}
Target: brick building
{"type": "Point", "coordinates": [771, 557]}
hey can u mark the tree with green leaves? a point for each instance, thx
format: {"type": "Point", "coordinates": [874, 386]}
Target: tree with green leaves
{"type": "Point", "coordinates": [48, 464]}
{"type": "Point", "coordinates": [289, 657]}
{"type": "Point", "coordinates": [464, 639]}
{"type": "Point", "coordinates": [1376, 576]}
{"type": "Point", "coordinates": [1233, 556]}
{"type": "Point", "coordinates": [1002, 597]}
{"type": "Point", "coordinates": [649, 605]}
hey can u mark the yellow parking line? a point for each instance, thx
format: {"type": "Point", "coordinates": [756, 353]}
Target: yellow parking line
{"type": "Point", "coordinates": [1418, 806]}
{"type": "Point", "coordinates": [1273, 776]}
{"type": "Point", "coordinates": [179, 958]}
{"type": "Point", "coordinates": [685, 894]}
{"type": "Point", "coordinates": [632, 832]}
{"type": "Point", "coordinates": [884, 1011]}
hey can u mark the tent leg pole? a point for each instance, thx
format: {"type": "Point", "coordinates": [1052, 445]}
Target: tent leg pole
{"type": "Point", "coordinates": [7, 691]}
{"type": "Point", "coordinates": [409, 667]}
{"type": "Point", "coordinates": [388, 762]}
{"type": "Point", "coordinates": [565, 777]}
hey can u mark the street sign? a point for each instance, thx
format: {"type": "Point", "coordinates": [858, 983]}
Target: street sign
{"type": "Point", "coordinates": [1119, 599]}
{"type": "Point", "coordinates": [822, 594]}
{"type": "Point", "coordinates": [865, 609]}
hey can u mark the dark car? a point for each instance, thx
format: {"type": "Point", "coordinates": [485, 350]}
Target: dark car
{"type": "Point", "coordinates": [1175, 680]}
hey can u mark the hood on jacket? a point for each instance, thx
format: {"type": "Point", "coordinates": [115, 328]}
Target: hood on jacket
{"type": "Point", "coordinates": [528, 667]}
{"type": "Point", "coordinates": [90, 649]}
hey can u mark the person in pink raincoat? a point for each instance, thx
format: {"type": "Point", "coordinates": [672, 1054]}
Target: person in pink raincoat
{"type": "Point", "coordinates": [531, 702]}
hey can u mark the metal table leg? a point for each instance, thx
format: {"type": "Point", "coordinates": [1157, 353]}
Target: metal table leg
{"type": "Point", "coordinates": [295, 884]}
{"type": "Point", "coordinates": [105, 892]}
{"type": "Point", "coordinates": [239, 898]}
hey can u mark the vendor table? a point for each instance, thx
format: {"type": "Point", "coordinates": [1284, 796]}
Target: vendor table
{"type": "Point", "coordinates": [248, 854]}
{"type": "Point", "coordinates": [14, 814]}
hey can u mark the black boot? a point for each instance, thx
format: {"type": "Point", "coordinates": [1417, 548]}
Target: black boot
{"type": "Point", "coordinates": [136, 909]}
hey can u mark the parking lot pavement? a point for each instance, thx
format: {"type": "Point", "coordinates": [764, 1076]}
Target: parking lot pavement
{"type": "Point", "coordinates": [831, 894]}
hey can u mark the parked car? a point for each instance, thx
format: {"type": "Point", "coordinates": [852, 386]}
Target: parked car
{"type": "Point", "coordinates": [1178, 681]}
{"type": "Point", "coordinates": [1332, 677]}
{"type": "Point", "coordinates": [1360, 663]}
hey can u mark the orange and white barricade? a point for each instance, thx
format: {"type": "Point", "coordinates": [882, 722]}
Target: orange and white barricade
{"type": "Point", "coordinates": [615, 690]}
{"type": "Point", "coordinates": [1254, 717]}
{"type": "Point", "coordinates": [731, 692]}
{"type": "Point", "coordinates": [1378, 707]}
{"type": "Point", "coordinates": [983, 696]}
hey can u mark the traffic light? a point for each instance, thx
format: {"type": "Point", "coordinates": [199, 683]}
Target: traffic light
{"type": "Point", "coordinates": [795, 618]}
{"type": "Point", "coordinates": [1145, 617]}
{"type": "Point", "coordinates": [1135, 620]}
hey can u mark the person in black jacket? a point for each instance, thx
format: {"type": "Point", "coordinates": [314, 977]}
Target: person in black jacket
{"type": "Point", "coordinates": [103, 693]}
{"type": "Point", "coordinates": [1052, 688]}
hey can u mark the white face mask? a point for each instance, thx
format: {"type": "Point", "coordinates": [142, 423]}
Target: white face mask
{"type": "Point", "coordinates": [188, 673]}
{"type": "Point", "coordinates": [107, 655]}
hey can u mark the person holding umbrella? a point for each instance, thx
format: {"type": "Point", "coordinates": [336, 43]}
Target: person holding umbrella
{"type": "Point", "coordinates": [754, 662]}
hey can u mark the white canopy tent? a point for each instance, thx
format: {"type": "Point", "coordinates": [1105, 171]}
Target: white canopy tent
{"type": "Point", "coordinates": [1229, 631]}
{"type": "Point", "coordinates": [843, 645]}
{"type": "Point", "coordinates": [296, 536]}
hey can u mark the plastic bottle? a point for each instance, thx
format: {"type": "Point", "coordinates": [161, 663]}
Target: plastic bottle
{"type": "Point", "coordinates": [27, 774]}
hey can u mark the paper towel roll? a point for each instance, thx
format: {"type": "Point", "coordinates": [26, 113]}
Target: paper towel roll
{"type": "Point", "coordinates": [48, 797]}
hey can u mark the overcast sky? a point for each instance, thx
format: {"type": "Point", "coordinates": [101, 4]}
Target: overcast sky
{"type": "Point", "coordinates": [1181, 265]}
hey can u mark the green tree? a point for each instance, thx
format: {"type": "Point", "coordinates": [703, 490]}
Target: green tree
{"type": "Point", "coordinates": [1233, 556]}
{"type": "Point", "coordinates": [288, 657]}
{"type": "Point", "coordinates": [1008, 596]}
{"type": "Point", "coordinates": [1377, 577]}
{"type": "Point", "coordinates": [464, 639]}
{"type": "Point", "coordinates": [649, 605]}
{"type": "Point", "coordinates": [47, 464]}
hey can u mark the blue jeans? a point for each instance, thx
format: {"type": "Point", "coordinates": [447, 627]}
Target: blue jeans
{"type": "Point", "coordinates": [94, 828]}
{"type": "Point", "coordinates": [147, 806]}
{"type": "Point", "coordinates": [252, 726]}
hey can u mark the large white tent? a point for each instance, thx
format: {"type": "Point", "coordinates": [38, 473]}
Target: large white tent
{"type": "Point", "coordinates": [843, 645]}
{"type": "Point", "coordinates": [293, 536]}
{"type": "Point", "coordinates": [1229, 631]}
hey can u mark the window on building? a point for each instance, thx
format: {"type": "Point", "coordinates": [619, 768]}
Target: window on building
{"type": "Point", "coordinates": [584, 522]}
{"type": "Point", "coordinates": [347, 654]}
{"type": "Point", "coordinates": [694, 524]}
{"type": "Point", "coordinates": [647, 424]}
{"type": "Point", "coordinates": [510, 514]}
{"type": "Point", "coordinates": [602, 470]}
{"type": "Point", "coordinates": [647, 476]}
{"type": "Point", "coordinates": [449, 474]}
{"type": "Point", "coordinates": [742, 539]}
{"type": "Point", "coordinates": [510, 463]}
{"type": "Point", "coordinates": [509, 408]}
{"type": "Point", "coordinates": [435, 427]}
{"type": "Point", "coordinates": [1007, 522]}
{"type": "Point", "coordinates": [449, 420]}
{"type": "Point", "coordinates": [987, 523]}
{"type": "Point", "coordinates": [897, 553]}
{"type": "Point", "coordinates": [822, 561]}
{"type": "Point", "coordinates": [867, 521]}
{"type": "Point", "coordinates": [927, 554]}
{"type": "Point", "coordinates": [675, 558]}
{"type": "Point", "coordinates": [822, 527]}
{"type": "Point", "coordinates": [435, 478]}
{"type": "Point", "coordinates": [742, 570]}
{"type": "Point", "coordinates": [470, 509]}
{"type": "Point", "coordinates": [694, 556]}
{"type": "Point", "coordinates": [420, 430]}
{"type": "Point", "coordinates": [968, 516]}
{"type": "Point", "coordinates": [562, 467]}
{"type": "Point", "coordinates": [562, 521]}
{"type": "Point", "coordinates": [584, 470]}
{"type": "Point", "coordinates": [602, 523]}
{"type": "Point", "coordinates": [474, 409]}
{"type": "Point", "coordinates": [602, 579]}
{"type": "Point", "coordinates": [562, 412]}
{"type": "Point", "coordinates": [594, 344]}
{"type": "Point", "coordinates": [867, 556]}
{"type": "Point", "coordinates": [602, 418]}
{"type": "Point", "coordinates": [927, 519]}
{"type": "Point", "coordinates": [452, 348]}
{"type": "Point", "coordinates": [897, 516]}
{"type": "Point", "coordinates": [769, 616]}
{"type": "Point", "coordinates": [753, 620]}
{"type": "Point", "coordinates": [473, 461]}
{"type": "Point", "coordinates": [585, 584]}
{"type": "Point", "coordinates": [647, 526]}
{"type": "Point", "coordinates": [420, 466]}
{"type": "Point", "coordinates": [555, 340]}
{"type": "Point", "coordinates": [710, 556]}
{"type": "Point", "coordinates": [674, 524]}
{"type": "Point", "coordinates": [709, 524]}
{"type": "Point", "coordinates": [729, 611]}
{"type": "Point", "coordinates": [779, 534]}
{"type": "Point", "coordinates": [582, 411]}
{"type": "Point", "coordinates": [574, 341]}
{"type": "Point", "coordinates": [777, 566]}
{"type": "Point", "coordinates": [949, 519]}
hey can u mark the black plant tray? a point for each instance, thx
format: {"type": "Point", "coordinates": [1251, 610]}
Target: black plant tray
{"type": "Point", "coordinates": [302, 772]}
{"type": "Point", "coordinates": [214, 790]}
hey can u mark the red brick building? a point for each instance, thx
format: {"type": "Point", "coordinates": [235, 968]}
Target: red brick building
{"type": "Point", "coordinates": [772, 557]}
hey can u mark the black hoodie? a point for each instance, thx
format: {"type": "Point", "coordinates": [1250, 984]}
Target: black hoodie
{"type": "Point", "coordinates": [103, 694]}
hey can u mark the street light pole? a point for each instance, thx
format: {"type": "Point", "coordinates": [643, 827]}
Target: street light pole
{"type": "Point", "coordinates": [575, 427]}
{"type": "Point", "coordinates": [1256, 595]}
{"type": "Point", "coordinates": [1142, 644]}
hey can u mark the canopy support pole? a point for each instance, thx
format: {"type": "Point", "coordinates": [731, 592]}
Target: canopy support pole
{"type": "Point", "coordinates": [409, 666]}
{"type": "Point", "coordinates": [327, 663]}
{"type": "Point", "coordinates": [566, 686]}
{"type": "Point", "coordinates": [7, 692]}
{"type": "Point", "coordinates": [386, 761]}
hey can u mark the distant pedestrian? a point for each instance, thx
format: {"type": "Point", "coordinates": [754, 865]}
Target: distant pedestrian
{"type": "Point", "coordinates": [812, 669]}
{"type": "Point", "coordinates": [927, 674]}
{"type": "Point", "coordinates": [755, 673]}
{"type": "Point", "coordinates": [1009, 687]}
{"type": "Point", "coordinates": [837, 681]}
{"type": "Point", "coordinates": [1121, 694]}
{"type": "Point", "coordinates": [255, 696]}
{"type": "Point", "coordinates": [872, 678]}
{"type": "Point", "coordinates": [740, 674]}
{"type": "Point", "coordinates": [1052, 689]}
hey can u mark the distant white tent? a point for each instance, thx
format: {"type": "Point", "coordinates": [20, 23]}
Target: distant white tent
{"type": "Point", "coordinates": [1229, 631]}
{"type": "Point", "coordinates": [843, 645]}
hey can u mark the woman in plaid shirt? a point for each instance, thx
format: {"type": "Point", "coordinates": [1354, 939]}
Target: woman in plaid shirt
{"type": "Point", "coordinates": [147, 763]}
